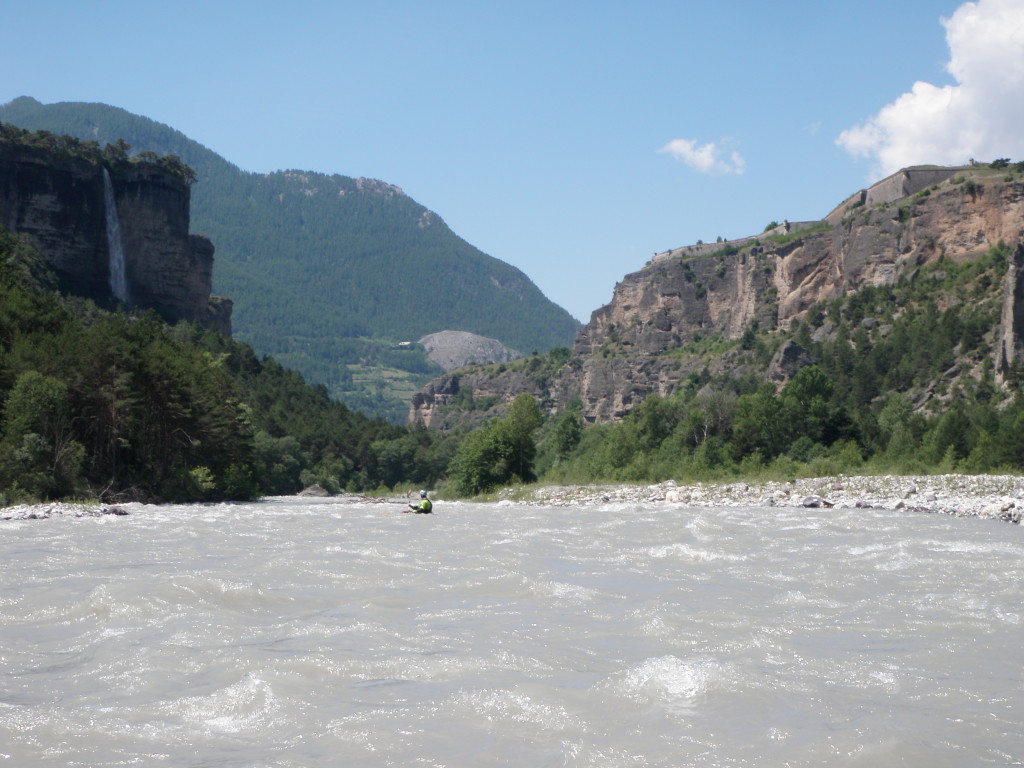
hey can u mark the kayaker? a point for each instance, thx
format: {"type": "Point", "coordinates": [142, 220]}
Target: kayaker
{"type": "Point", "coordinates": [424, 507]}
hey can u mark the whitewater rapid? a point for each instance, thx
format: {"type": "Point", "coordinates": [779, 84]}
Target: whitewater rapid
{"type": "Point", "coordinates": [317, 632]}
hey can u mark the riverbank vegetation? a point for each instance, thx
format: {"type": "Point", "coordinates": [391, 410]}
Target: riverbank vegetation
{"type": "Point", "coordinates": [120, 406]}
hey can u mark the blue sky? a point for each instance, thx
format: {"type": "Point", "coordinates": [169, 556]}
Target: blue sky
{"type": "Point", "coordinates": [573, 140]}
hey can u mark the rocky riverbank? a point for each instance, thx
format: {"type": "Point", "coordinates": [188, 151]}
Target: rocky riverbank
{"type": "Point", "coordinates": [999, 497]}
{"type": "Point", "coordinates": [994, 497]}
{"type": "Point", "coordinates": [58, 509]}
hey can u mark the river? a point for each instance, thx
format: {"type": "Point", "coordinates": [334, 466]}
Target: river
{"type": "Point", "coordinates": [295, 632]}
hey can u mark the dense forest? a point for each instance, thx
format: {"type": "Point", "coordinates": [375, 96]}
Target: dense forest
{"type": "Point", "coordinates": [121, 406]}
{"type": "Point", "coordinates": [327, 272]}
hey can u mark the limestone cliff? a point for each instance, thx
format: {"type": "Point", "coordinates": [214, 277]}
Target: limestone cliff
{"type": "Point", "coordinates": [58, 199]}
{"type": "Point", "coordinates": [771, 283]}
{"type": "Point", "coordinates": [647, 339]}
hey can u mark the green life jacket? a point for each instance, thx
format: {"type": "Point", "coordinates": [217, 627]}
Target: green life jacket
{"type": "Point", "coordinates": [425, 507]}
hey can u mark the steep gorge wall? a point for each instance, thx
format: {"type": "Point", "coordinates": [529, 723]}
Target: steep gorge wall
{"type": "Point", "coordinates": [667, 303]}
{"type": "Point", "coordinates": [58, 201]}
{"type": "Point", "coordinates": [631, 347]}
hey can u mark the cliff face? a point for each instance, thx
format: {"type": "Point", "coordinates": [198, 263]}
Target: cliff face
{"type": "Point", "coordinates": [631, 347]}
{"type": "Point", "coordinates": [60, 202]}
{"type": "Point", "coordinates": [771, 284]}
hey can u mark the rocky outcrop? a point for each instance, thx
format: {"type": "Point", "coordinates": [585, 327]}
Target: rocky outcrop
{"type": "Point", "coordinates": [458, 398]}
{"type": "Point", "coordinates": [790, 358]}
{"type": "Point", "coordinates": [430, 404]}
{"type": "Point", "coordinates": [455, 349]}
{"type": "Point", "coordinates": [606, 388]}
{"type": "Point", "coordinates": [667, 304]}
{"type": "Point", "coordinates": [647, 339]}
{"type": "Point", "coordinates": [770, 284]}
{"type": "Point", "coordinates": [315, 490]}
{"type": "Point", "coordinates": [58, 200]}
{"type": "Point", "coordinates": [1011, 325]}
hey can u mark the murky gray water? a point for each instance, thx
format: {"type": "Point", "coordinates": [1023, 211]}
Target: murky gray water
{"type": "Point", "coordinates": [310, 633]}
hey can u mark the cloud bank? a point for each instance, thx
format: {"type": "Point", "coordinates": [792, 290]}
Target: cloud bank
{"type": "Point", "coordinates": [706, 158]}
{"type": "Point", "coordinates": [979, 117]}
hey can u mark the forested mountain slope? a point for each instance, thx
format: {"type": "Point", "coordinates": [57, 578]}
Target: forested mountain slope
{"type": "Point", "coordinates": [323, 270]}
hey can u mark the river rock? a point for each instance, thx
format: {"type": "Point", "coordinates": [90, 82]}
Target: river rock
{"type": "Point", "coordinates": [58, 509]}
{"type": "Point", "coordinates": [998, 497]}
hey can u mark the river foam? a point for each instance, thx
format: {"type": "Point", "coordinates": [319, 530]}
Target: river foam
{"type": "Point", "coordinates": [294, 632]}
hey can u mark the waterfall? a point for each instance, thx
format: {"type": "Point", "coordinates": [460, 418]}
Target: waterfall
{"type": "Point", "coordinates": [118, 275]}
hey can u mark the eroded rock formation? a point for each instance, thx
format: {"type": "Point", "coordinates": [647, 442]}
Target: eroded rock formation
{"type": "Point", "coordinates": [58, 201]}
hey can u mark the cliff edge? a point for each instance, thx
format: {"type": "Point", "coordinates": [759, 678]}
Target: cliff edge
{"type": "Point", "coordinates": [111, 231]}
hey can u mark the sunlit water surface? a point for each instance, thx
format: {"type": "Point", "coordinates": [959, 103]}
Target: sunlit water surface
{"type": "Point", "coordinates": [314, 633]}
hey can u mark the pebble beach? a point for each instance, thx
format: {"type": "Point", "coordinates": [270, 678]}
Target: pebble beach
{"type": "Point", "coordinates": [993, 497]}
{"type": "Point", "coordinates": [998, 497]}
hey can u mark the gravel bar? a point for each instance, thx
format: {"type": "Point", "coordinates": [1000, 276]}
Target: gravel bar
{"type": "Point", "coordinates": [998, 497]}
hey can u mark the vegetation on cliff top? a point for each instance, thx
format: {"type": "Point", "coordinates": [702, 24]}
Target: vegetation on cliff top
{"type": "Point", "coordinates": [112, 155]}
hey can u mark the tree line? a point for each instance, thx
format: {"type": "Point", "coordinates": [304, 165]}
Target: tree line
{"type": "Point", "coordinates": [111, 155]}
{"type": "Point", "coordinates": [120, 406]}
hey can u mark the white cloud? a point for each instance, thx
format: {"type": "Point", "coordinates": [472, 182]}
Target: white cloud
{"type": "Point", "coordinates": [705, 158]}
{"type": "Point", "coordinates": [978, 117]}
